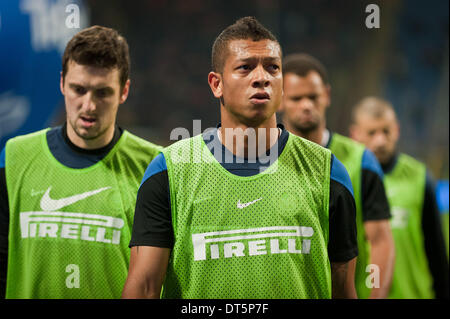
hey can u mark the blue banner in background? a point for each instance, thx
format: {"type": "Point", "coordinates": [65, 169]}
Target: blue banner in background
{"type": "Point", "coordinates": [33, 35]}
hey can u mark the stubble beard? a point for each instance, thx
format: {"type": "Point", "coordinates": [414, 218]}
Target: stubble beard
{"type": "Point", "coordinates": [306, 128]}
{"type": "Point", "coordinates": [88, 134]}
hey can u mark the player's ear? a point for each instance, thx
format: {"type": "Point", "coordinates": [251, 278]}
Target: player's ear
{"type": "Point", "coordinates": [353, 131]}
{"type": "Point", "coordinates": [61, 83]}
{"type": "Point", "coordinates": [125, 91]}
{"type": "Point", "coordinates": [397, 130]}
{"type": "Point", "coordinates": [216, 84]}
{"type": "Point", "coordinates": [281, 107]}
{"type": "Point", "coordinates": [328, 94]}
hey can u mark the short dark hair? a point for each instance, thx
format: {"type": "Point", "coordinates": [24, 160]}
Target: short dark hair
{"type": "Point", "coordinates": [243, 29]}
{"type": "Point", "coordinates": [100, 47]}
{"type": "Point", "coordinates": [301, 64]}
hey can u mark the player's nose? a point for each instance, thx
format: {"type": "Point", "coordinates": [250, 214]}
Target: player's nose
{"type": "Point", "coordinates": [379, 140]}
{"type": "Point", "coordinates": [261, 77]}
{"type": "Point", "coordinates": [89, 103]}
{"type": "Point", "coordinates": [306, 103]}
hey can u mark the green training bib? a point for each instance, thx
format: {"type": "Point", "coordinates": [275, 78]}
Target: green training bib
{"type": "Point", "coordinates": [70, 228]}
{"type": "Point", "coordinates": [263, 236]}
{"type": "Point", "coordinates": [405, 188]}
{"type": "Point", "coordinates": [350, 153]}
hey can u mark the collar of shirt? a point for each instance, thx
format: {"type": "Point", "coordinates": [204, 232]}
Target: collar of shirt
{"type": "Point", "coordinates": [240, 165]}
{"type": "Point", "coordinates": [389, 166]}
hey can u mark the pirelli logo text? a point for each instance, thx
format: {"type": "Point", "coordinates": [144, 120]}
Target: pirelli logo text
{"type": "Point", "coordinates": [252, 242]}
{"type": "Point", "coordinates": [79, 226]}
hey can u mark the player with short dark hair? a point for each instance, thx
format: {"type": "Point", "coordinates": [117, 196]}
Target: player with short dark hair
{"type": "Point", "coordinates": [67, 194]}
{"type": "Point", "coordinates": [305, 101]}
{"type": "Point", "coordinates": [100, 47]}
{"type": "Point", "coordinates": [245, 210]}
{"type": "Point", "coordinates": [247, 28]}
{"type": "Point", "coordinates": [421, 264]}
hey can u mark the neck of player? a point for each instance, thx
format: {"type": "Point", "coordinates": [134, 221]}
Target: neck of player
{"type": "Point", "coordinates": [248, 141]}
{"type": "Point", "coordinates": [90, 144]}
{"type": "Point", "coordinates": [315, 135]}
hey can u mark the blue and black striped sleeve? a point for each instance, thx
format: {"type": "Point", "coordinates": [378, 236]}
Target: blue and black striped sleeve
{"type": "Point", "coordinates": [152, 224]}
{"type": "Point", "coordinates": [375, 205]}
{"type": "Point", "coordinates": [342, 243]}
{"type": "Point", "coordinates": [434, 242]}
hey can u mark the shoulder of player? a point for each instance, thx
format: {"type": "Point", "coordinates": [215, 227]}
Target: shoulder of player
{"type": "Point", "coordinates": [138, 148]}
{"type": "Point", "coordinates": [156, 166]}
{"type": "Point", "coordinates": [2, 158]}
{"type": "Point", "coordinates": [26, 137]}
{"type": "Point", "coordinates": [26, 141]}
{"type": "Point", "coordinates": [132, 138]}
{"type": "Point", "coordinates": [181, 151]}
{"type": "Point", "coordinates": [370, 163]}
{"type": "Point", "coordinates": [347, 149]}
{"type": "Point", "coordinates": [340, 175]}
{"type": "Point", "coordinates": [342, 139]}
{"type": "Point", "coordinates": [409, 160]}
{"type": "Point", "coordinates": [406, 165]}
{"type": "Point", "coordinates": [308, 143]}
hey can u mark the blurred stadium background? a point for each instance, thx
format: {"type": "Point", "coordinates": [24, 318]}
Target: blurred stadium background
{"type": "Point", "coordinates": [406, 61]}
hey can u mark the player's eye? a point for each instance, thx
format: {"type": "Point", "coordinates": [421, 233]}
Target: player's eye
{"type": "Point", "coordinates": [102, 93]}
{"type": "Point", "coordinates": [244, 67]}
{"type": "Point", "coordinates": [79, 90]}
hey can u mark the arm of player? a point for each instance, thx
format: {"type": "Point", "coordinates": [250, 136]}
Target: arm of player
{"type": "Point", "coordinates": [434, 242]}
{"type": "Point", "coordinates": [382, 254]}
{"type": "Point", "coordinates": [148, 267]}
{"type": "Point", "coordinates": [376, 216]}
{"type": "Point", "coordinates": [342, 243]}
{"type": "Point", "coordinates": [343, 279]}
{"type": "Point", "coordinates": [152, 235]}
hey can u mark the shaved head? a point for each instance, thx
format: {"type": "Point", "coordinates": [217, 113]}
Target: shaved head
{"type": "Point", "coordinates": [374, 107]}
{"type": "Point", "coordinates": [375, 125]}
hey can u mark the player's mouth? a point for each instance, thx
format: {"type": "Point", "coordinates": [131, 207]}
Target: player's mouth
{"type": "Point", "coordinates": [305, 115]}
{"type": "Point", "coordinates": [88, 121]}
{"type": "Point", "coordinates": [380, 152]}
{"type": "Point", "coordinates": [260, 98]}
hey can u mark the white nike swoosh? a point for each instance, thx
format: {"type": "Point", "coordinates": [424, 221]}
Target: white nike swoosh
{"type": "Point", "coordinates": [48, 204]}
{"type": "Point", "coordinates": [239, 205]}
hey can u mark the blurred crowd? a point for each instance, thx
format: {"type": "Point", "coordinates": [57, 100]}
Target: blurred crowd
{"type": "Point", "coordinates": [406, 61]}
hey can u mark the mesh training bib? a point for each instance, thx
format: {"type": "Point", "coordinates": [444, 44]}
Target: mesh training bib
{"type": "Point", "coordinates": [263, 236]}
{"type": "Point", "coordinates": [350, 153]}
{"type": "Point", "coordinates": [405, 188]}
{"type": "Point", "coordinates": [70, 228]}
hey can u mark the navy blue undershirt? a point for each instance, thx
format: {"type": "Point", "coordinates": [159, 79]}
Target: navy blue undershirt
{"type": "Point", "coordinates": [243, 166]}
{"type": "Point", "coordinates": [73, 156]}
